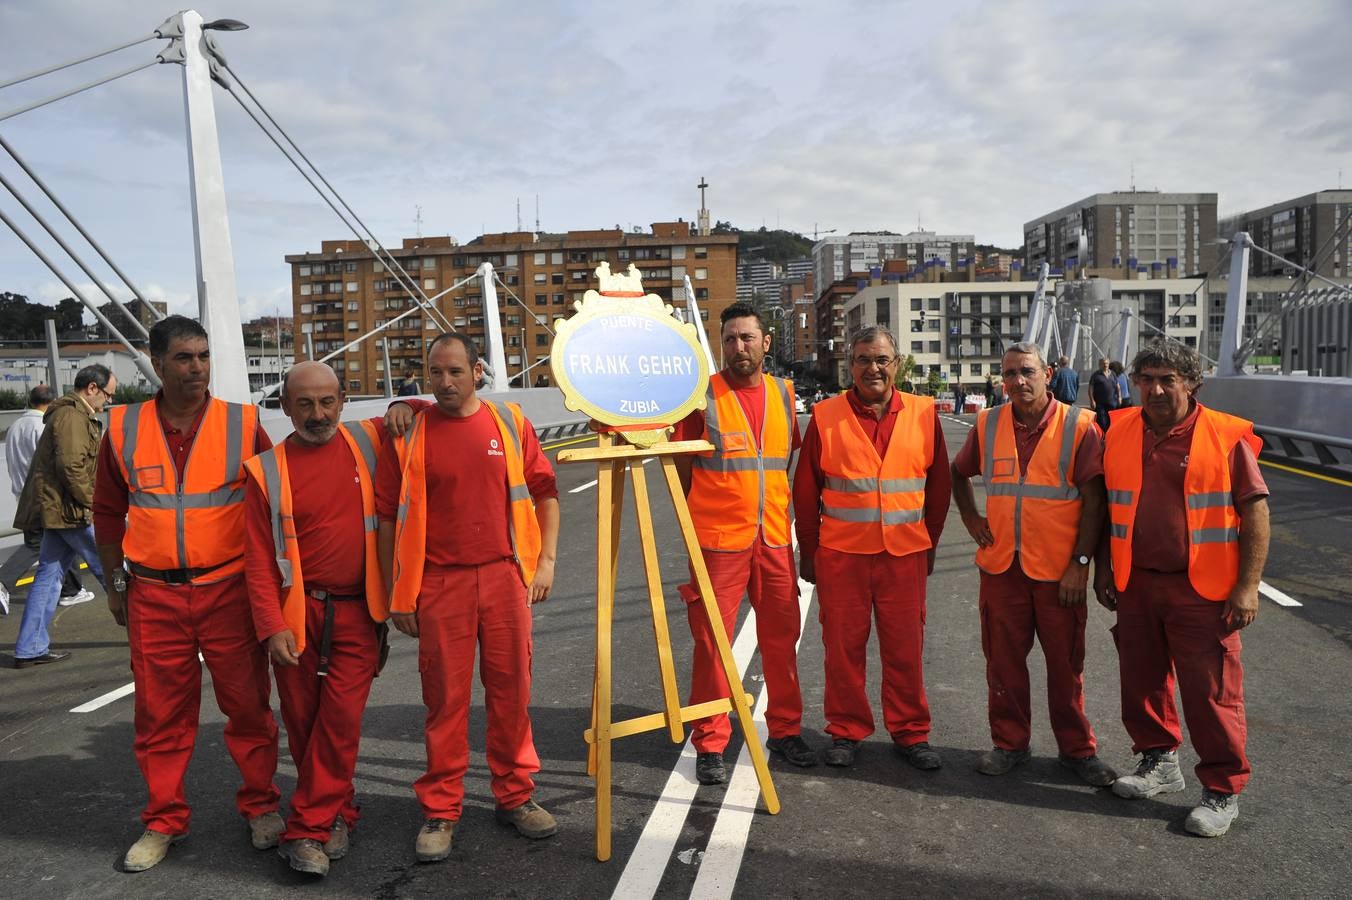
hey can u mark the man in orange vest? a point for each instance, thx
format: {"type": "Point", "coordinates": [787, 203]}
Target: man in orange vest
{"type": "Point", "coordinates": [870, 496]}
{"type": "Point", "coordinates": [739, 502]}
{"type": "Point", "coordinates": [468, 530]}
{"type": "Point", "coordinates": [317, 594]}
{"type": "Point", "coordinates": [1187, 540]}
{"type": "Point", "coordinates": [169, 524]}
{"type": "Point", "coordinates": [1041, 463]}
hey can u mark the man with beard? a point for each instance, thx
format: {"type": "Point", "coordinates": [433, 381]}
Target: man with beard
{"type": "Point", "coordinates": [739, 503]}
{"type": "Point", "coordinates": [317, 594]}
{"type": "Point", "coordinates": [468, 530]}
{"type": "Point", "coordinates": [870, 496]}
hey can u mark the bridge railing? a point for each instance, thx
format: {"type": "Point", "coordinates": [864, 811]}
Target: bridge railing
{"type": "Point", "coordinates": [1307, 447]}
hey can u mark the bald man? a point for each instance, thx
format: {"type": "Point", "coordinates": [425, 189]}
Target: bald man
{"type": "Point", "coordinates": [317, 597]}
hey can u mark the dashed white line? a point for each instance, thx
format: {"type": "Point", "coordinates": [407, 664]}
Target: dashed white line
{"type": "Point", "coordinates": [582, 487]}
{"type": "Point", "coordinates": [1276, 596]}
{"type": "Point", "coordinates": [104, 699]}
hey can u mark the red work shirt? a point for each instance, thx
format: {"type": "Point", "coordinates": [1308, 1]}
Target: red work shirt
{"type": "Point", "coordinates": [110, 488]}
{"type": "Point", "coordinates": [752, 400]}
{"type": "Point", "coordinates": [1159, 542]}
{"type": "Point", "coordinates": [466, 486]}
{"type": "Point", "coordinates": [809, 477]}
{"type": "Point", "coordinates": [1088, 463]}
{"type": "Point", "coordinates": [326, 506]}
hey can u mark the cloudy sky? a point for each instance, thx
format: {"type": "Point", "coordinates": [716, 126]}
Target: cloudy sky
{"type": "Point", "coordinates": [850, 114]}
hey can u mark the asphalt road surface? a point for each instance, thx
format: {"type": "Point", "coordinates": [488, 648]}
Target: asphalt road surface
{"type": "Point", "coordinates": [71, 791]}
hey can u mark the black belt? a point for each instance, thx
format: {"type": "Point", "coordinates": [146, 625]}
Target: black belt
{"type": "Point", "coordinates": [175, 576]}
{"type": "Point", "coordinates": [328, 598]}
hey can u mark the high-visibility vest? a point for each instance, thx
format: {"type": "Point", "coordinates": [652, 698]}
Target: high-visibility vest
{"type": "Point", "coordinates": [1042, 503]}
{"type": "Point", "coordinates": [869, 504]}
{"type": "Point", "coordinates": [1213, 522]}
{"type": "Point", "coordinates": [740, 470]}
{"type": "Point", "coordinates": [410, 530]}
{"type": "Point", "coordinates": [197, 523]}
{"type": "Point", "coordinates": [270, 472]}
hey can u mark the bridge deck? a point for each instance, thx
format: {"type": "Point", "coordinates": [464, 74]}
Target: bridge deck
{"type": "Point", "coordinates": [73, 792]}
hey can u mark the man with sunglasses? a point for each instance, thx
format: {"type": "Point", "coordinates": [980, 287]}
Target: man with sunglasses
{"type": "Point", "coordinates": [1040, 462]}
{"type": "Point", "coordinates": [57, 498]}
{"type": "Point", "coordinates": [870, 496]}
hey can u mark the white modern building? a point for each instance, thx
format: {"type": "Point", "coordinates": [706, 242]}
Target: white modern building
{"type": "Point", "coordinates": [836, 256]}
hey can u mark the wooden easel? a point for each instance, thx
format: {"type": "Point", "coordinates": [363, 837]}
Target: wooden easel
{"type": "Point", "coordinates": [612, 460]}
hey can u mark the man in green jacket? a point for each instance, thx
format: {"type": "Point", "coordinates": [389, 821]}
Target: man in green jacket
{"type": "Point", "coordinates": [57, 498]}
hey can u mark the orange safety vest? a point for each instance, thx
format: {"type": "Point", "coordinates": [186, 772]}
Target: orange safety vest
{"type": "Point", "coordinates": [868, 504]}
{"type": "Point", "coordinates": [269, 471]}
{"type": "Point", "coordinates": [193, 528]}
{"type": "Point", "coordinates": [1213, 523]}
{"type": "Point", "coordinates": [410, 530]}
{"type": "Point", "coordinates": [723, 482]}
{"type": "Point", "coordinates": [1042, 503]}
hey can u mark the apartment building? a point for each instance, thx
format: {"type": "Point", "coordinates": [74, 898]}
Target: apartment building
{"type": "Point", "coordinates": [342, 292]}
{"type": "Point", "coordinates": [1126, 229]}
{"type": "Point", "coordinates": [1298, 230]}
{"type": "Point", "coordinates": [958, 330]}
{"type": "Point", "coordinates": [836, 257]}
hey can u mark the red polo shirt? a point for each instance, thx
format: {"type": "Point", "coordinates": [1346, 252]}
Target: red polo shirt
{"type": "Point", "coordinates": [809, 477]}
{"type": "Point", "coordinates": [467, 507]}
{"type": "Point", "coordinates": [1088, 463]}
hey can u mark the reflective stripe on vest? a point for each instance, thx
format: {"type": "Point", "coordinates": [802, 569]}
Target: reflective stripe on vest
{"type": "Point", "coordinates": [410, 534]}
{"type": "Point", "coordinates": [741, 489]}
{"type": "Point", "coordinates": [204, 509]}
{"type": "Point", "coordinates": [1212, 520]}
{"type": "Point", "coordinates": [271, 472]}
{"type": "Point", "coordinates": [1040, 500]}
{"type": "Point", "coordinates": [871, 504]}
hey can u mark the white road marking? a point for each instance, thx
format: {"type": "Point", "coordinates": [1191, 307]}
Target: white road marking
{"type": "Point", "coordinates": [582, 487]}
{"type": "Point", "coordinates": [104, 699]}
{"type": "Point", "coordinates": [1276, 596]}
{"type": "Point", "coordinates": [117, 694]}
{"type": "Point", "coordinates": [656, 846]}
{"type": "Point", "coordinates": [727, 844]}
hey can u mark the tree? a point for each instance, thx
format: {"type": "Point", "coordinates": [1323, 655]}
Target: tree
{"type": "Point", "coordinates": [904, 370]}
{"type": "Point", "coordinates": [934, 382]}
{"type": "Point", "coordinates": [69, 315]}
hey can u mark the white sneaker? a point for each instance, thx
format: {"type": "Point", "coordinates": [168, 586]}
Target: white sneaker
{"type": "Point", "coordinates": [84, 596]}
{"type": "Point", "coordinates": [4, 600]}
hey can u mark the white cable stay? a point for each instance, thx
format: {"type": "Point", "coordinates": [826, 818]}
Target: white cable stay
{"type": "Point", "coordinates": [76, 90]}
{"type": "Point", "coordinates": [75, 62]}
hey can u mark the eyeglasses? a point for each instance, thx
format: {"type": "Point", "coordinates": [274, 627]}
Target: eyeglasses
{"type": "Point", "coordinates": [107, 396]}
{"type": "Point", "coordinates": [881, 362]}
{"type": "Point", "coordinates": [1027, 372]}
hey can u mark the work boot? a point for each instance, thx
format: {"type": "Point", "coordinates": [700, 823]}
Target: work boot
{"type": "Point", "coordinates": [1213, 817]}
{"type": "Point", "coordinates": [997, 761]}
{"type": "Point", "coordinates": [149, 850]}
{"type": "Point", "coordinates": [336, 846]}
{"type": "Point", "coordinates": [1156, 773]}
{"type": "Point", "coordinates": [840, 753]}
{"type": "Point", "coordinates": [266, 830]}
{"type": "Point", "coordinates": [305, 855]}
{"type": "Point", "coordinates": [434, 840]}
{"type": "Point", "coordinates": [794, 749]}
{"type": "Point", "coordinates": [529, 819]}
{"type": "Point", "coordinates": [921, 755]}
{"type": "Point", "coordinates": [709, 768]}
{"type": "Point", "coordinates": [1091, 770]}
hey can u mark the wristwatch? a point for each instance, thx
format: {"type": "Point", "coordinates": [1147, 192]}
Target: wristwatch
{"type": "Point", "coordinates": [1082, 559]}
{"type": "Point", "coordinates": [119, 581]}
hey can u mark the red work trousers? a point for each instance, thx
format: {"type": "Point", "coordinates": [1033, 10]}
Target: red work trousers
{"type": "Point", "coordinates": [323, 716]}
{"type": "Point", "coordinates": [457, 607]}
{"type": "Point", "coordinates": [767, 575]}
{"type": "Point", "coordinates": [1015, 608]}
{"type": "Point", "coordinates": [167, 626]}
{"type": "Point", "coordinates": [1166, 630]}
{"type": "Point", "coordinates": [852, 590]}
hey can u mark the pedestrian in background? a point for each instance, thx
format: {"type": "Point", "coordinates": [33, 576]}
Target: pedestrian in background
{"type": "Point", "coordinates": [1065, 384]}
{"type": "Point", "coordinates": [57, 497]}
{"type": "Point", "coordinates": [20, 443]}
{"type": "Point", "coordinates": [1102, 394]}
{"type": "Point", "coordinates": [1123, 384]}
